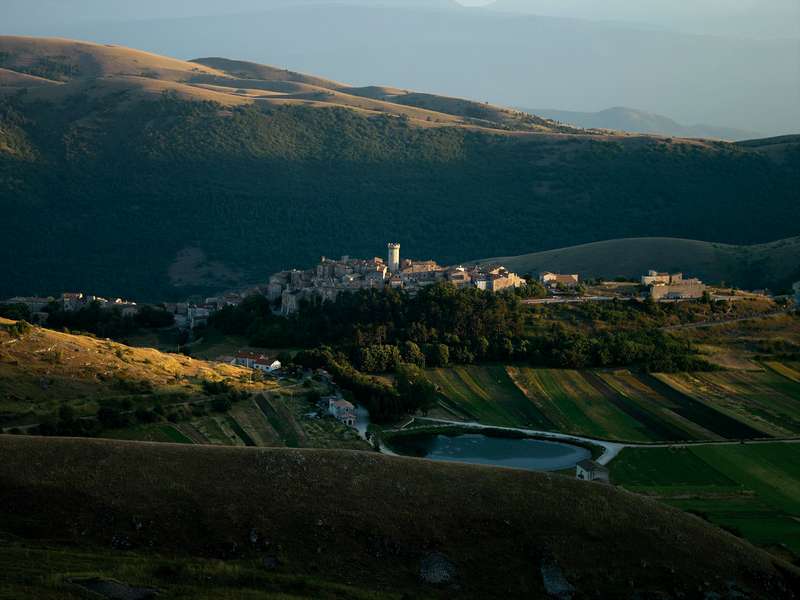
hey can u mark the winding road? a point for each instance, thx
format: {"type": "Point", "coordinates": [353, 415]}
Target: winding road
{"type": "Point", "coordinates": [610, 449]}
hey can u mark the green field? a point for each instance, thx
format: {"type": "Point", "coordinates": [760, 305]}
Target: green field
{"type": "Point", "coordinates": [624, 405]}
{"type": "Point", "coordinates": [488, 395]}
{"type": "Point", "coordinates": [768, 401]}
{"type": "Point", "coordinates": [752, 490]}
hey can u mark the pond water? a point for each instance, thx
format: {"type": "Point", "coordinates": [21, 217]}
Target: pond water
{"type": "Point", "coordinates": [533, 455]}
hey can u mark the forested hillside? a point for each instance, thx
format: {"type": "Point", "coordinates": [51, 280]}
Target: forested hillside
{"type": "Point", "coordinates": [154, 192]}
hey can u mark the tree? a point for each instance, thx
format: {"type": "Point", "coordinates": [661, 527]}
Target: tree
{"type": "Point", "coordinates": [413, 354]}
{"type": "Point", "coordinates": [439, 355]}
{"type": "Point", "coordinates": [415, 390]}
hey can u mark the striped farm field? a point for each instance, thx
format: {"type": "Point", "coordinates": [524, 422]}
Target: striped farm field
{"type": "Point", "coordinates": [574, 405]}
{"type": "Point", "coordinates": [766, 401]}
{"type": "Point", "coordinates": [488, 395]}
{"type": "Point", "coordinates": [624, 405]}
{"type": "Point", "coordinates": [786, 369]}
{"type": "Point", "coordinates": [751, 489]}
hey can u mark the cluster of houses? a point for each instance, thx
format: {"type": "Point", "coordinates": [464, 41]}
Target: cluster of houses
{"type": "Point", "coordinates": [68, 302]}
{"type": "Point", "coordinates": [333, 276]}
{"type": "Point", "coordinates": [659, 286]}
{"type": "Point", "coordinates": [672, 286]}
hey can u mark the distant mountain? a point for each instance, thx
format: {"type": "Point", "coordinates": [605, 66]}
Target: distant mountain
{"type": "Point", "coordinates": [30, 13]}
{"type": "Point", "coordinates": [775, 265]}
{"type": "Point", "coordinates": [767, 19]}
{"type": "Point", "coordinates": [639, 121]}
{"type": "Point", "coordinates": [132, 174]}
{"type": "Point", "coordinates": [506, 59]}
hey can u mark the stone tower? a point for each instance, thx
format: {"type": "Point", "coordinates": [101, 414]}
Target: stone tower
{"type": "Point", "coordinates": [394, 258]}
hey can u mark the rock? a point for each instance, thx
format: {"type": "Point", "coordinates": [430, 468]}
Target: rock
{"type": "Point", "coordinates": [270, 562]}
{"type": "Point", "coordinates": [436, 569]}
{"type": "Point", "coordinates": [555, 584]}
{"type": "Point", "coordinates": [115, 590]}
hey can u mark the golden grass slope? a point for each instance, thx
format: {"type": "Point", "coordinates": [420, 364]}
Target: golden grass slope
{"type": "Point", "coordinates": [9, 78]}
{"type": "Point", "coordinates": [632, 257]}
{"type": "Point", "coordinates": [97, 69]}
{"type": "Point", "coordinates": [90, 60]}
{"type": "Point", "coordinates": [323, 512]}
{"type": "Point", "coordinates": [42, 368]}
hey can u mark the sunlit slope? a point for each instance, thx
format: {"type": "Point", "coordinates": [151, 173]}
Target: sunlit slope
{"type": "Point", "coordinates": [322, 512]}
{"type": "Point", "coordinates": [772, 264]}
{"type": "Point", "coordinates": [41, 368]}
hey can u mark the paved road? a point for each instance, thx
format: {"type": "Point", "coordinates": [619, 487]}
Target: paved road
{"type": "Point", "coordinates": [610, 449]}
{"type": "Point", "coordinates": [724, 321]}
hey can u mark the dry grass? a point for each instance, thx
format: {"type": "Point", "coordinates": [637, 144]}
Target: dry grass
{"type": "Point", "coordinates": [99, 70]}
{"type": "Point", "coordinates": [97, 60]}
{"type": "Point", "coordinates": [325, 511]}
{"type": "Point", "coordinates": [43, 368]}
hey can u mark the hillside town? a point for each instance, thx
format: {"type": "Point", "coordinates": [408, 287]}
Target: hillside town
{"type": "Point", "coordinates": [331, 277]}
{"type": "Point", "coordinates": [287, 290]}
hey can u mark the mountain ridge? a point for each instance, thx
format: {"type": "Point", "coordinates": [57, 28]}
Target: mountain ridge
{"type": "Point", "coordinates": [146, 163]}
{"type": "Point", "coordinates": [621, 118]}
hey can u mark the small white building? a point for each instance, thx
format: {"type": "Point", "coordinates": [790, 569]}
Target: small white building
{"type": "Point", "coordinates": [589, 470]}
{"type": "Point", "coordinates": [342, 410]}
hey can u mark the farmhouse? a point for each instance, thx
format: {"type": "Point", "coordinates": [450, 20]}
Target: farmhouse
{"type": "Point", "coordinates": [552, 280]}
{"type": "Point", "coordinates": [340, 409]}
{"type": "Point", "coordinates": [588, 470]}
{"type": "Point", "coordinates": [672, 286]}
{"type": "Point", "coordinates": [256, 360]}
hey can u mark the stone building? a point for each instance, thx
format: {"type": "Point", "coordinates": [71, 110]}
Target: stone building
{"type": "Point", "coordinates": [589, 470]}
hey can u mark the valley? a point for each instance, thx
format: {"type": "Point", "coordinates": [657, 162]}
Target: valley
{"type": "Point", "coordinates": [221, 378]}
{"type": "Point", "coordinates": [225, 171]}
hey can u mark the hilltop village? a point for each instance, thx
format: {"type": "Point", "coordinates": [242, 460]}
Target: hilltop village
{"type": "Point", "coordinates": [287, 290]}
{"type": "Point", "coordinates": [330, 277]}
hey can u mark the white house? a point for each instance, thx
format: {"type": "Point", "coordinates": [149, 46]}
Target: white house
{"type": "Point", "coordinates": [588, 470]}
{"type": "Point", "coordinates": [342, 410]}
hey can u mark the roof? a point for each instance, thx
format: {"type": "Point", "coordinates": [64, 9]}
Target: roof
{"type": "Point", "coordinates": [590, 465]}
{"type": "Point", "coordinates": [343, 404]}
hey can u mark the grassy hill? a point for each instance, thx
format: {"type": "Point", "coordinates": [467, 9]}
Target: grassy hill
{"type": "Point", "coordinates": [127, 158]}
{"type": "Point", "coordinates": [40, 369]}
{"type": "Point", "coordinates": [774, 264]}
{"type": "Point", "coordinates": [159, 512]}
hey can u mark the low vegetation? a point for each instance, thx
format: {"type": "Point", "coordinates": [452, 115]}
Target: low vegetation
{"type": "Point", "coordinates": [293, 522]}
{"type": "Point", "coordinates": [751, 490]}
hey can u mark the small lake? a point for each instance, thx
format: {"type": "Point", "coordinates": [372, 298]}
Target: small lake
{"type": "Point", "coordinates": [476, 448]}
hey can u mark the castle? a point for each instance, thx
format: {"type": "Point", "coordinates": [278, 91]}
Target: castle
{"type": "Point", "coordinates": [331, 277]}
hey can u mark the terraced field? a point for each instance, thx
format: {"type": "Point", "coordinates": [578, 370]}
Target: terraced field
{"type": "Point", "coordinates": [488, 395]}
{"type": "Point", "coordinates": [768, 401]}
{"type": "Point", "coordinates": [626, 406]}
{"type": "Point", "coordinates": [270, 420]}
{"type": "Point", "coordinates": [750, 489]}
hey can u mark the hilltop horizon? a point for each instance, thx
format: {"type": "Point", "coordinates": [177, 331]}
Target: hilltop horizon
{"type": "Point", "coordinates": [754, 78]}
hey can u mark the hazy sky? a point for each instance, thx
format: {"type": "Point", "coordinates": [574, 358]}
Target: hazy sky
{"type": "Point", "coordinates": [733, 63]}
